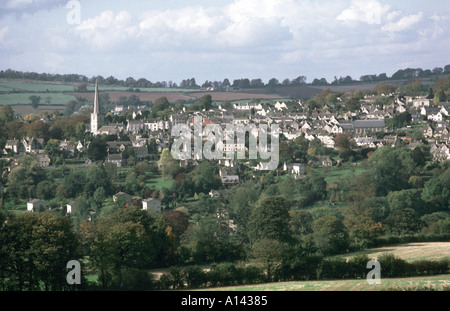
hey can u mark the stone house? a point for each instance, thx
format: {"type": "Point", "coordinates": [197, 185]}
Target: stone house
{"type": "Point", "coordinates": [151, 204]}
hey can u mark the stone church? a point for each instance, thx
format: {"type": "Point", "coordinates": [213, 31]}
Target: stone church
{"type": "Point", "coordinates": [96, 118]}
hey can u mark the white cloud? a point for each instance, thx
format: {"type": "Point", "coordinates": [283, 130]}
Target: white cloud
{"type": "Point", "coordinates": [403, 23]}
{"type": "Point", "coordinates": [240, 38]}
{"type": "Point", "coordinates": [29, 5]}
{"type": "Point", "coordinates": [107, 30]}
{"type": "Point", "coordinates": [3, 32]}
{"type": "Point", "coordinates": [370, 12]}
{"type": "Point", "coordinates": [16, 4]}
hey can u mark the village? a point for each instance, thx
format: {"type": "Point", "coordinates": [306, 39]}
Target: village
{"type": "Point", "coordinates": [368, 127]}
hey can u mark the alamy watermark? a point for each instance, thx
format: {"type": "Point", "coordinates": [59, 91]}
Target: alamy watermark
{"type": "Point", "coordinates": [374, 275]}
{"type": "Point", "coordinates": [74, 275]}
{"type": "Point", "coordinates": [74, 15]}
{"type": "Point", "coordinates": [221, 144]}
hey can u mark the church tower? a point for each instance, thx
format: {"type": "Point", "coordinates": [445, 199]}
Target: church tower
{"type": "Point", "coordinates": [96, 118]}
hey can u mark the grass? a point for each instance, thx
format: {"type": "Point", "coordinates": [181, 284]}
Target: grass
{"type": "Point", "coordinates": [336, 173]}
{"type": "Point", "coordinates": [7, 86]}
{"type": "Point", "coordinates": [23, 98]}
{"type": "Point", "coordinates": [409, 252]}
{"type": "Point", "coordinates": [159, 182]}
{"type": "Point", "coordinates": [438, 283]}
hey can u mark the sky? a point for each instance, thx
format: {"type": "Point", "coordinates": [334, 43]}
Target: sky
{"type": "Point", "coordinates": [210, 40]}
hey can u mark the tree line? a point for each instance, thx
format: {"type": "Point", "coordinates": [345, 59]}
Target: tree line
{"type": "Point", "coordinates": [401, 74]}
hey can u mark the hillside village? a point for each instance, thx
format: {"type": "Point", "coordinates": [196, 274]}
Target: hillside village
{"type": "Point", "coordinates": [354, 170]}
{"type": "Point", "coordinates": [368, 128]}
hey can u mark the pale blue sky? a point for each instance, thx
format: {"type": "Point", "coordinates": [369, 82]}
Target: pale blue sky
{"type": "Point", "coordinates": [174, 40]}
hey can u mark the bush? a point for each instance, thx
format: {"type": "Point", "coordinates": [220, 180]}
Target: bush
{"type": "Point", "coordinates": [392, 266]}
{"type": "Point", "coordinates": [333, 268]}
{"type": "Point", "coordinates": [299, 269]}
{"type": "Point", "coordinates": [223, 274]}
{"type": "Point", "coordinates": [357, 266]}
{"type": "Point", "coordinates": [136, 280]}
{"type": "Point", "coordinates": [252, 275]}
{"type": "Point", "coordinates": [195, 277]}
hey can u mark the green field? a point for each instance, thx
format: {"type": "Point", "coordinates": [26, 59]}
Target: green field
{"type": "Point", "coordinates": [7, 86]}
{"type": "Point", "coordinates": [336, 173]}
{"type": "Point", "coordinates": [23, 98]}
{"type": "Point", "coordinates": [159, 182]}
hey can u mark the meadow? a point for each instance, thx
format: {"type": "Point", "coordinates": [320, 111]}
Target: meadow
{"type": "Point", "coordinates": [436, 283]}
{"type": "Point", "coordinates": [409, 252]}
{"type": "Point", "coordinates": [13, 92]}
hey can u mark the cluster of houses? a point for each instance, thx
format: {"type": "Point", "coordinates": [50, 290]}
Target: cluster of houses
{"type": "Point", "coordinates": [149, 204]}
{"type": "Point", "coordinates": [294, 119]}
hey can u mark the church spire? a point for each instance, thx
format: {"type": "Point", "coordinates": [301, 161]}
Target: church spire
{"type": "Point", "coordinates": [96, 101]}
{"type": "Point", "coordinates": [96, 117]}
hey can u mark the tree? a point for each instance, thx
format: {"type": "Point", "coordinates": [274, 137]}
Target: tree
{"type": "Point", "coordinates": [167, 164]}
{"type": "Point", "coordinates": [391, 169]}
{"type": "Point", "coordinates": [403, 222]}
{"type": "Point", "coordinates": [241, 201]}
{"type": "Point", "coordinates": [208, 240]}
{"type": "Point", "coordinates": [82, 87]}
{"type": "Point", "coordinates": [206, 102]}
{"type": "Point", "coordinates": [437, 191]}
{"type": "Point", "coordinates": [269, 252]}
{"type": "Point", "coordinates": [270, 220]}
{"type": "Point", "coordinates": [177, 220]}
{"type": "Point", "coordinates": [6, 113]}
{"type": "Point", "coordinates": [330, 235]}
{"type": "Point", "coordinates": [35, 100]}
{"type": "Point", "coordinates": [300, 80]}
{"type": "Point", "coordinates": [273, 82]}
{"type": "Point", "coordinates": [54, 242]}
{"type": "Point", "coordinates": [97, 149]}
{"type": "Point", "coordinates": [96, 177]}
{"type": "Point", "coordinates": [205, 177]}
{"type": "Point", "coordinates": [37, 248]}
{"type": "Point", "coordinates": [99, 196]}
{"type": "Point", "coordinates": [161, 104]}
{"type": "Point", "coordinates": [360, 224]}
{"type": "Point", "coordinates": [16, 259]}
{"type": "Point", "coordinates": [22, 180]}
{"type": "Point", "coordinates": [408, 198]}
{"type": "Point", "coordinates": [127, 239]}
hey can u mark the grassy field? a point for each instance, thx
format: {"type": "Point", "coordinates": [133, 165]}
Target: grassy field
{"type": "Point", "coordinates": [335, 173]}
{"type": "Point", "coordinates": [409, 252]}
{"type": "Point", "coordinates": [159, 182]}
{"type": "Point", "coordinates": [437, 283]}
{"type": "Point", "coordinates": [13, 92]}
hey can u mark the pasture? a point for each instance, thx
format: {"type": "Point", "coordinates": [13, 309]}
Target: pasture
{"type": "Point", "coordinates": [409, 252]}
{"type": "Point", "coordinates": [436, 283]}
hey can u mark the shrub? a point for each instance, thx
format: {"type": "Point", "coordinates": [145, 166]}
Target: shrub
{"type": "Point", "coordinates": [252, 275]}
{"type": "Point", "coordinates": [223, 274]}
{"type": "Point", "coordinates": [333, 268]}
{"type": "Point", "coordinates": [195, 277]}
{"type": "Point", "coordinates": [357, 266]}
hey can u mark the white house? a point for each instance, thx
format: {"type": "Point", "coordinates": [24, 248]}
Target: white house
{"type": "Point", "coordinates": [70, 207]}
{"type": "Point", "coordinates": [294, 168]}
{"type": "Point", "coordinates": [35, 205]}
{"type": "Point", "coordinates": [436, 117]}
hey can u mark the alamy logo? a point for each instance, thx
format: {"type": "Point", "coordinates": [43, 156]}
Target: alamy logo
{"type": "Point", "coordinates": [219, 141]}
{"type": "Point", "coordinates": [74, 15]}
{"type": "Point", "coordinates": [374, 275]}
{"type": "Point", "coordinates": [74, 275]}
